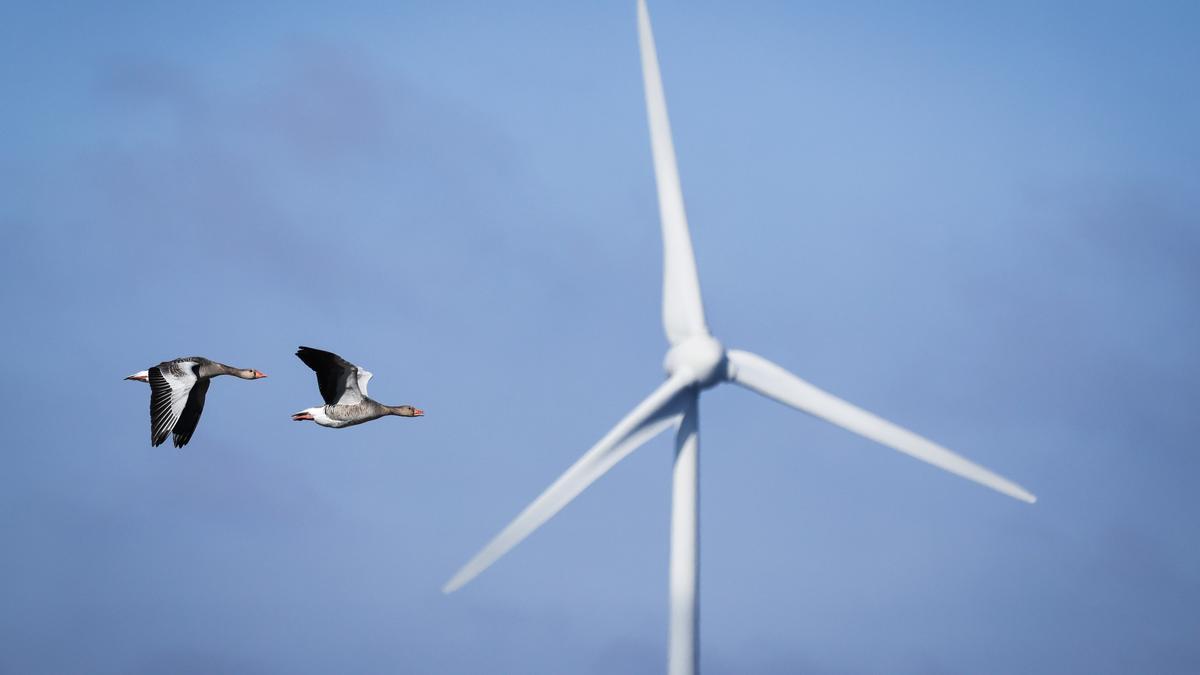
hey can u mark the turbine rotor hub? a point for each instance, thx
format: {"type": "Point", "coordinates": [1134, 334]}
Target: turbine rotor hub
{"type": "Point", "coordinates": [702, 356]}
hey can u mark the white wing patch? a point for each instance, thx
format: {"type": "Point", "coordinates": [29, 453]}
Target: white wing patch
{"type": "Point", "coordinates": [169, 389]}
{"type": "Point", "coordinates": [363, 378]}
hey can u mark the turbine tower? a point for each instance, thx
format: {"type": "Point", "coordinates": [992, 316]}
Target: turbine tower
{"type": "Point", "coordinates": [694, 362]}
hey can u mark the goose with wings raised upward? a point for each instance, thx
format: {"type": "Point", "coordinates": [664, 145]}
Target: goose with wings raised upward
{"type": "Point", "coordinates": [177, 390]}
{"type": "Point", "coordinates": [343, 385]}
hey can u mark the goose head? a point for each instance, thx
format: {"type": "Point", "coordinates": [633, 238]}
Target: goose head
{"type": "Point", "coordinates": [406, 411]}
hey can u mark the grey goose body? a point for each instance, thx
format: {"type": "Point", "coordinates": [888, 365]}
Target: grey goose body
{"type": "Point", "coordinates": [177, 391]}
{"type": "Point", "coordinates": [343, 386]}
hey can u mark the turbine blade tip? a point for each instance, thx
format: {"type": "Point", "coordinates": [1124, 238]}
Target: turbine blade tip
{"type": "Point", "coordinates": [1021, 494]}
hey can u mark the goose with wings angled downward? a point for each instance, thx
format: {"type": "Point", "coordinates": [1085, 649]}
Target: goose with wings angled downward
{"type": "Point", "coordinates": [177, 391]}
{"type": "Point", "coordinates": [343, 385]}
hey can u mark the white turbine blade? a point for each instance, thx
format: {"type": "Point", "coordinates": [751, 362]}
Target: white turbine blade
{"type": "Point", "coordinates": [760, 375]}
{"type": "Point", "coordinates": [683, 311]}
{"type": "Point", "coordinates": [660, 410]}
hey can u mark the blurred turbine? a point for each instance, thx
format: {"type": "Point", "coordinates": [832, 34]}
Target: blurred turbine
{"type": "Point", "coordinates": [696, 361]}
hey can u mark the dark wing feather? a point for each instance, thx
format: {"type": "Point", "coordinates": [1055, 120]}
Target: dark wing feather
{"type": "Point", "coordinates": [190, 417]}
{"type": "Point", "coordinates": [160, 406]}
{"type": "Point", "coordinates": [168, 393]}
{"type": "Point", "coordinates": [337, 378]}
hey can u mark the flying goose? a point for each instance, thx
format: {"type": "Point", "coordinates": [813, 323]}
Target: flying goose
{"type": "Point", "coordinates": [343, 385]}
{"type": "Point", "coordinates": [177, 390]}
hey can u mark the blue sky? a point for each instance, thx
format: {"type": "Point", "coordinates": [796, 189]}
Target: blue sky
{"type": "Point", "coordinates": [979, 222]}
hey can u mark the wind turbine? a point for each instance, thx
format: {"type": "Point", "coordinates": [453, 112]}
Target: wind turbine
{"type": "Point", "coordinates": [694, 362]}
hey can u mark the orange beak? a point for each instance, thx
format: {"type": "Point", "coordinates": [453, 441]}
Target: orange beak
{"type": "Point", "coordinates": [258, 374]}
{"type": "Point", "coordinates": [417, 412]}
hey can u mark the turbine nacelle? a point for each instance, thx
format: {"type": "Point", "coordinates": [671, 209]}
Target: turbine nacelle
{"type": "Point", "coordinates": [700, 356]}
